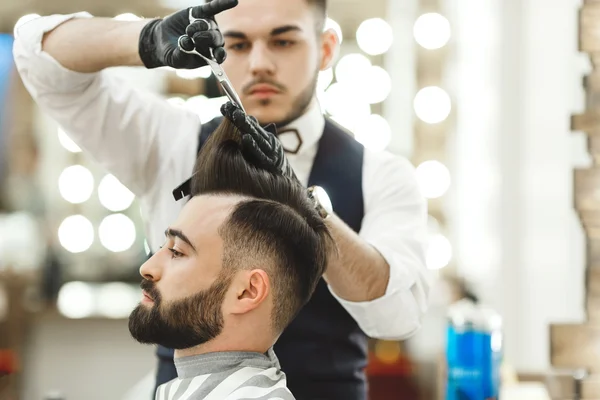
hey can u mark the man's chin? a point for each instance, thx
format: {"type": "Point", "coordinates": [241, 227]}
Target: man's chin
{"type": "Point", "coordinates": [267, 113]}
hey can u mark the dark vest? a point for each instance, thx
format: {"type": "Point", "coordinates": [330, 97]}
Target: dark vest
{"type": "Point", "coordinates": [323, 352]}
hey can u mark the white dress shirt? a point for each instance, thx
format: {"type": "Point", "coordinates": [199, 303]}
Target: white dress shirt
{"type": "Point", "coordinates": [150, 146]}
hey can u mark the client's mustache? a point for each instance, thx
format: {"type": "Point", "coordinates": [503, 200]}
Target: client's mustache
{"type": "Point", "coordinates": [150, 288]}
{"type": "Point", "coordinates": [248, 87]}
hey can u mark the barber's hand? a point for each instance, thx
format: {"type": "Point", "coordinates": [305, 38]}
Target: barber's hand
{"type": "Point", "coordinates": [158, 43]}
{"type": "Point", "coordinates": [260, 146]}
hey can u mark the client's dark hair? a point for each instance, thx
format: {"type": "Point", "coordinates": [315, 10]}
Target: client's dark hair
{"type": "Point", "coordinates": [277, 225]}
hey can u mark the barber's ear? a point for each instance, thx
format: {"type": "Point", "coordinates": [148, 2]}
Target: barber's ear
{"type": "Point", "coordinates": [330, 47]}
{"type": "Point", "coordinates": [251, 290]}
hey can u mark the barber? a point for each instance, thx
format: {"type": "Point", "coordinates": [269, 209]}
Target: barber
{"type": "Point", "coordinates": [272, 51]}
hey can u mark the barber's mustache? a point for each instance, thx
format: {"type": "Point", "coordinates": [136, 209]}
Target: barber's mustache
{"type": "Point", "coordinates": [248, 87]}
{"type": "Point", "coordinates": [150, 288]}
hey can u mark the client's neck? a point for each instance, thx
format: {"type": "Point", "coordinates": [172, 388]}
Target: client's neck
{"type": "Point", "coordinates": [224, 342]}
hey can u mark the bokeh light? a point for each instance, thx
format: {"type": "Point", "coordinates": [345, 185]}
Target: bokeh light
{"type": "Point", "coordinates": [374, 132]}
{"type": "Point", "coordinates": [374, 36]}
{"type": "Point", "coordinates": [76, 233]}
{"type": "Point", "coordinates": [439, 252]}
{"type": "Point", "coordinates": [433, 178]}
{"type": "Point", "coordinates": [377, 86]}
{"type": "Point", "coordinates": [76, 300]}
{"type": "Point", "coordinates": [324, 80]}
{"type": "Point", "coordinates": [66, 142]}
{"type": "Point", "coordinates": [76, 184]}
{"type": "Point", "coordinates": [113, 194]}
{"type": "Point", "coordinates": [117, 232]}
{"type": "Point", "coordinates": [340, 101]}
{"type": "Point", "coordinates": [432, 104]}
{"type": "Point", "coordinates": [432, 31]}
{"type": "Point", "coordinates": [352, 68]}
{"type": "Point", "coordinates": [116, 299]}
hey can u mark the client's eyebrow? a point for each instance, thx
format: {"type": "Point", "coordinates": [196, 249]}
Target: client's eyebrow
{"type": "Point", "coordinates": [170, 232]}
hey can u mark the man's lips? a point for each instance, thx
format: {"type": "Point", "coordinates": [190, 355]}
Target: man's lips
{"type": "Point", "coordinates": [146, 298]}
{"type": "Point", "coordinates": [263, 89]}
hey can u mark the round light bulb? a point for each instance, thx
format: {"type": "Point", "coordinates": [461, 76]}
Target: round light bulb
{"type": "Point", "coordinates": [439, 252]}
{"type": "Point", "coordinates": [374, 36]}
{"type": "Point", "coordinates": [324, 80]}
{"type": "Point", "coordinates": [374, 132]}
{"type": "Point", "coordinates": [113, 194]}
{"type": "Point", "coordinates": [377, 86]}
{"type": "Point", "coordinates": [76, 234]}
{"type": "Point", "coordinates": [432, 104]}
{"type": "Point", "coordinates": [340, 100]}
{"type": "Point", "coordinates": [433, 178]}
{"type": "Point", "coordinates": [116, 300]}
{"type": "Point", "coordinates": [432, 31]}
{"type": "Point", "coordinates": [388, 352]}
{"type": "Point", "coordinates": [67, 142]}
{"type": "Point", "coordinates": [352, 68]}
{"type": "Point", "coordinates": [117, 232]}
{"type": "Point", "coordinates": [76, 184]}
{"type": "Point", "coordinates": [76, 300]}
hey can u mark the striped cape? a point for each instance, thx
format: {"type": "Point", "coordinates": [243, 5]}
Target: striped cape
{"type": "Point", "coordinates": [227, 376]}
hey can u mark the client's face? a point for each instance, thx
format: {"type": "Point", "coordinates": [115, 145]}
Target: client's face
{"type": "Point", "coordinates": [184, 286]}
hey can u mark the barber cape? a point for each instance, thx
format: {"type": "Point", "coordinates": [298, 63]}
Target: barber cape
{"type": "Point", "coordinates": [227, 376]}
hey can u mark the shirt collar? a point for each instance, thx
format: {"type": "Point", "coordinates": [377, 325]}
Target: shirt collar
{"type": "Point", "coordinates": [302, 133]}
{"type": "Point", "coordinates": [209, 363]}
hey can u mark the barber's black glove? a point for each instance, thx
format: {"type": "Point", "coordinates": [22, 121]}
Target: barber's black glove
{"type": "Point", "coordinates": [260, 146]}
{"type": "Point", "coordinates": [158, 39]}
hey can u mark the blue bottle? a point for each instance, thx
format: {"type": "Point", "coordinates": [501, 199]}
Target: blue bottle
{"type": "Point", "coordinates": [473, 352]}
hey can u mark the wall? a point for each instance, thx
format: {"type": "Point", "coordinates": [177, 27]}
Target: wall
{"type": "Point", "coordinates": [517, 75]}
{"type": "Point", "coordinates": [90, 359]}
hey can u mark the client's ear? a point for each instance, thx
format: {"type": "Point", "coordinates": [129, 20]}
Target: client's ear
{"type": "Point", "coordinates": [251, 288]}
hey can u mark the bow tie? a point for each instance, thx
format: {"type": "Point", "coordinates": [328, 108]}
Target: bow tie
{"type": "Point", "coordinates": [290, 139]}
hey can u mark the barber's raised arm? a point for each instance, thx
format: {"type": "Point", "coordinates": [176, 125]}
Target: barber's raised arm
{"type": "Point", "coordinates": [133, 134]}
{"type": "Point", "coordinates": [122, 128]}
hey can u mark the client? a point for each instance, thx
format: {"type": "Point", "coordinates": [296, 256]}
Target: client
{"type": "Point", "coordinates": [238, 264]}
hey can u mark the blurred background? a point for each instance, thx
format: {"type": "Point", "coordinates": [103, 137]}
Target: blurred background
{"type": "Point", "coordinates": [487, 99]}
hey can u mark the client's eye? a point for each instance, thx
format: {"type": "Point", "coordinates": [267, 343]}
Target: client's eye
{"type": "Point", "coordinates": [175, 253]}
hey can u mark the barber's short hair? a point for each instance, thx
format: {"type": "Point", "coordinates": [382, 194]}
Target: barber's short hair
{"type": "Point", "coordinates": [320, 7]}
{"type": "Point", "coordinates": [277, 227]}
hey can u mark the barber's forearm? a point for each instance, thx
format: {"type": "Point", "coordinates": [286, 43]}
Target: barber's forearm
{"type": "Point", "coordinates": [93, 44]}
{"type": "Point", "coordinates": [357, 272]}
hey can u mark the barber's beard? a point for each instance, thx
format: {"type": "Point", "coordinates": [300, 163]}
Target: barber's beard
{"type": "Point", "coordinates": [300, 103]}
{"type": "Point", "coordinates": [180, 324]}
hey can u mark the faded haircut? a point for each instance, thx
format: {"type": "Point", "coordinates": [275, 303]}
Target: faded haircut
{"type": "Point", "coordinates": [276, 228]}
{"type": "Point", "coordinates": [320, 8]}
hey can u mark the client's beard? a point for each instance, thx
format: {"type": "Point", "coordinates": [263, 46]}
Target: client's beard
{"type": "Point", "coordinates": [180, 324]}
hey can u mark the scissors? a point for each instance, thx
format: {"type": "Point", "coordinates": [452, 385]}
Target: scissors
{"type": "Point", "coordinates": [214, 65]}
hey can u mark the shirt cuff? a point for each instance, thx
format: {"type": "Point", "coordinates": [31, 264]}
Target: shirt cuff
{"type": "Point", "coordinates": [397, 314]}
